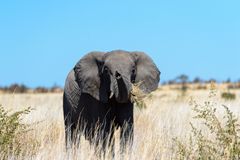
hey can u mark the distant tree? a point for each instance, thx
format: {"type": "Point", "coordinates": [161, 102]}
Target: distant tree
{"type": "Point", "coordinates": [172, 82]}
{"type": "Point", "coordinates": [183, 79]}
{"type": "Point", "coordinates": [228, 80]}
{"type": "Point", "coordinates": [211, 80]}
{"type": "Point", "coordinates": [197, 80]}
{"type": "Point", "coordinates": [16, 88]}
{"type": "Point", "coordinates": [55, 89]}
{"type": "Point", "coordinates": [23, 88]}
{"type": "Point", "coordinates": [41, 90]}
{"type": "Point", "coordinates": [12, 88]}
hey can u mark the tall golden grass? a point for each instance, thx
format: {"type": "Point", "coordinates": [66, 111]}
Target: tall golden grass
{"type": "Point", "coordinates": [167, 116]}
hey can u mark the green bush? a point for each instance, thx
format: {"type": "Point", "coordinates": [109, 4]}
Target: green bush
{"type": "Point", "coordinates": [222, 141]}
{"type": "Point", "coordinates": [11, 131]}
{"type": "Point", "coordinates": [228, 96]}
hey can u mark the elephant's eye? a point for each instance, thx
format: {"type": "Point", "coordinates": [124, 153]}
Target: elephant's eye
{"type": "Point", "coordinates": [105, 69]}
{"type": "Point", "coordinates": [133, 71]}
{"type": "Point", "coordinates": [133, 75]}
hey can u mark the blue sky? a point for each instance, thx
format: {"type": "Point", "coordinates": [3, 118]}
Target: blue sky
{"type": "Point", "coordinates": [40, 41]}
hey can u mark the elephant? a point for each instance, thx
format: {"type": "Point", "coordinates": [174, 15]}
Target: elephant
{"type": "Point", "coordinates": [97, 91]}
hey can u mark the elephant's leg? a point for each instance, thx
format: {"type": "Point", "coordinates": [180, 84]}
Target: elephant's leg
{"type": "Point", "coordinates": [71, 121]}
{"type": "Point", "coordinates": [126, 136]}
{"type": "Point", "coordinates": [67, 121]}
{"type": "Point", "coordinates": [68, 134]}
{"type": "Point", "coordinates": [125, 121]}
{"type": "Point", "coordinates": [108, 141]}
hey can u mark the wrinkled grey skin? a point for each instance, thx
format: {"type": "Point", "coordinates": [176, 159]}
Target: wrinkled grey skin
{"type": "Point", "coordinates": [97, 91]}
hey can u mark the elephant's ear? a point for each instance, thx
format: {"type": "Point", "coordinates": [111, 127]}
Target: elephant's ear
{"type": "Point", "coordinates": [87, 72]}
{"type": "Point", "coordinates": [147, 73]}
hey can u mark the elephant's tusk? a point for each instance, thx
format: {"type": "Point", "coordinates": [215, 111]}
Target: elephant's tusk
{"type": "Point", "coordinates": [111, 95]}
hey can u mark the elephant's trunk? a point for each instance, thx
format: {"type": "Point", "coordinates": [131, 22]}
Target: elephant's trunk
{"type": "Point", "coordinates": [123, 88]}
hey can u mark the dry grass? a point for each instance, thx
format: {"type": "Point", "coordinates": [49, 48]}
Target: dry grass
{"type": "Point", "coordinates": [166, 116]}
{"type": "Point", "coordinates": [138, 96]}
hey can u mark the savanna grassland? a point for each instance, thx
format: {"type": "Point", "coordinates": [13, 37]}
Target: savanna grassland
{"type": "Point", "coordinates": [162, 130]}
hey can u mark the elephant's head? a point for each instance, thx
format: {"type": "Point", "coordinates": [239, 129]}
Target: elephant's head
{"type": "Point", "coordinates": [108, 75]}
